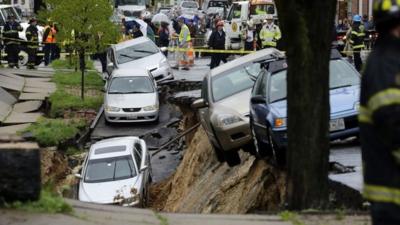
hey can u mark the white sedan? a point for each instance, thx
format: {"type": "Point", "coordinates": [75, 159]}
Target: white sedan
{"type": "Point", "coordinates": [139, 53]}
{"type": "Point", "coordinates": [116, 171]}
{"type": "Point", "coordinates": [131, 96]}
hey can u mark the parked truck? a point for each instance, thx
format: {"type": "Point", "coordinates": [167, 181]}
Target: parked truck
{"type": "Point", "coordinates": [240, 13]}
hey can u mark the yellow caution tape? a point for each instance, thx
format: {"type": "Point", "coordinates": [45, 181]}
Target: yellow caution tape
{"type": "Point", "coordinates": [210, 50]}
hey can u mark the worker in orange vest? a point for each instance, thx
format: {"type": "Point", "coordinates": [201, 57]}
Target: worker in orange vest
{"type": "Point", "coordinates": [49, 40]}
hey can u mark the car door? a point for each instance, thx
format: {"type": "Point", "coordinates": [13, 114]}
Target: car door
{"type": "Point", "coordinates": [138, 160]}
{"type": "Point", "coordinates": [259, 112]}
{"type": "Point", "coordinates": [146, 161]}
{"type": "Point", "coordinates": [111, 64]}
{"type": "Point", "coordinates": [205, 112]}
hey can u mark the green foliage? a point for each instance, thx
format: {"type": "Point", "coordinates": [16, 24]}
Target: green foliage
{"type": "Point", "coordinates": [62, 101]}
{"type": "Point", "coordinates": [48, 203]}
{"type": "Point", "coordinates": [73, 151]}
{"type": "Point", "coordinates": [66, 64]}
{"type": "Point", "coordinates": [163, 220]}
{"type": "Point", "coordinates": [291, 216]}
{"type": "Point", "coordinates": [88, 20]}
{"type": "Point", "coordinates": [340, 214]}
{"type": "Point", "coordinates": [92, 80]}
{"type": "Point", "coordinates": [51, 132]}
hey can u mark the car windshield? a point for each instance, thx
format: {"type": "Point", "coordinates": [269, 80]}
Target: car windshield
{"type": "Point", "coordinates": [192, 5]}
{"type": "Point", "coordinates": [9, 11]}
{"type": "Point", "coordinates": [262, 9]}
{"type": "Point", "coordinates": [131, 2]}
{"type": "Point", "coordinates": [341, 75]}
{"type": "Point", "coordinates": [130, 85]}
{"type": "Point", "coordinates": [135, 52]}
{"type": "Point", "coordinates": [233, 82]}
{"type": "Point", "coordinates": [110, 169]}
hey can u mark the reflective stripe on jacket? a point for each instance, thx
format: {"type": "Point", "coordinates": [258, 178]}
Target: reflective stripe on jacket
{"type": "Point", "coordinates": [184, 31]}
{"type": "Point", "coordinates": [270, 36]}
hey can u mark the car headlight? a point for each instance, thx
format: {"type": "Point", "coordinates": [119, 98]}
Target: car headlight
{"type": "Point", "coordinates": [150, 108]}
{"type": "Point", "coordinates": [112, 109]}
{"type": "Point", "coordinates": [357, 106]}
{"type": "Point", "coordinates": [131, 201]}
{"type": "Point", "coordinates": [280, 122]}
{"type": "Point", "coordinates": [227, 119]}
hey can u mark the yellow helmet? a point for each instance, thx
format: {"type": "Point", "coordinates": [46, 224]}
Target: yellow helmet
{"type": "Point", "coordinates": [386, 14]}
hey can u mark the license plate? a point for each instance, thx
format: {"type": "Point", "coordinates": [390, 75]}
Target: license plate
{"type": "Point", "coordinates": [131, 117]}
{"type": "Point", "coordinates": [337, 124]}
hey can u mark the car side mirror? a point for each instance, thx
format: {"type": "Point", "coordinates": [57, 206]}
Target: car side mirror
{"type": "Point", "coordinates": [110, 65]}
{"type": "Point", "coordinates": [258, 99]}
{"type": "Point", "coordinates": [164, 49]}
{"type": "Point", "coordinates": [198, 104]}
{"type": "Point", "coordinates": [77, 175]}
{"type": "Point", "coordinates": [144, 168]}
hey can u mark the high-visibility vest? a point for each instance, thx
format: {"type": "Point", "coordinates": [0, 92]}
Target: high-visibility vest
{"type": "Point", "coordinates": [182, 33]}
{"type": "Point", "coordinates": [51, 38]}
{"type": "Point", "coordinates": [269, 37]}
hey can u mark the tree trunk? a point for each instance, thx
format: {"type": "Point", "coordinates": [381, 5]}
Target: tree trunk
{"type": "Point", "coordinates": [19, 172]}
{"type": "Point", "coordinates": [82, 67]}
{"type": "Point", "coordinates": [307, 27]}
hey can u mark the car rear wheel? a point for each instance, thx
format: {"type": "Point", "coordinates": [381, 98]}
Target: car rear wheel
{"type": "Point", "coordinates": [261, 149]}
{"type": "Point", "coordinates": [278, 153]}
{"type": "Point", "coordinates": [232, 158]}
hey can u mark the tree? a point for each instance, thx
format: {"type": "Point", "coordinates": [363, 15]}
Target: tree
{"type": "Point", "coordinates": [307, 33]}
{"type": "Point", "coordinates": [85, 25]}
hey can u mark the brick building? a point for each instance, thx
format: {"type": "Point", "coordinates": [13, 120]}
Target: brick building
{"type": "Point", "coordinates": [349, 8]}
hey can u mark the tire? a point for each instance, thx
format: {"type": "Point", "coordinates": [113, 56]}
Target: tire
{"type": "Point", "coordinates": [23, 58]}
{"type": "Point", "coordinates": [261, 149]}
{"type": "Point", "coordinates": [232, 158]}
{"type": "Point", "coordinates": [218, 153]}
{"type": "Point", "coordinates": [279, 154]}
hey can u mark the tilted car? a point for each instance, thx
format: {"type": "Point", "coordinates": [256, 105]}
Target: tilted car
{"type": "Point", "coordinates": [139, 53]}
{"type": "Point", "coordinates": [116, 171]}
{"type": "Point", "coordinates": [268, 106]}
{"type": "Point", "coordinates": [131, 96]}
{"type": "Point", "coordinates": [224, 104]}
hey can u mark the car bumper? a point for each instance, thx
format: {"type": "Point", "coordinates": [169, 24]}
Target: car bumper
{"type": "Point", "coordinates": [233, 136]}
{"type": "Point", "coordinates": [124, 117]}
{"type": "Point", "coordinates": [162, 74]}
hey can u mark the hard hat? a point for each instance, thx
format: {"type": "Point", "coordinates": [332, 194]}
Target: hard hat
{"type": "Point", "coordinates": [386, 14]}
{"type": "Point", "coordinates": [269, 17]}
{"type": "Point", "coordinates": [220, 23]}
{"type": "Point", "coordinates": [357, 18]}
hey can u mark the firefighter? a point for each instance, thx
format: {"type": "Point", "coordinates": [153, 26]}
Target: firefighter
{"type": "Point", "coordinates": [11, 42]}
{"type": "Point", "coordinates": [357, 36]}
{"type": "Point", "coordinates": [270, 33]}
{"type": "Point", "coordinates": [379, 117]}
{"type": "Point", "coordinates": [184, 38]}
{"type": "Point", "coordinates": [49, 39]}
{"type": "Point", "coordinates": [33, 43]}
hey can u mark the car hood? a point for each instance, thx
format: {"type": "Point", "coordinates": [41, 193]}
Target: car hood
{"type": "Point", "coordinates": [149, 62]}
{"type": "Point", "coordinates": [238, 103]}
{"type": "Point", "coordinates": [341, 99]}
{"type": "Point", "coordinates": [131, 100]}
{"type": "Point", "coordinates": [131, 8]}
{"type": "Point", "coordinates": [106, 192]}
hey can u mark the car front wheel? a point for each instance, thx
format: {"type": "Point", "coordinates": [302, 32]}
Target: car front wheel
{"type": "Point", "coordinates": [218, 152]}
{"type": "Point", "coordinates": [278, 153]}
{"type": "Point", "coordinates": [232, 158]}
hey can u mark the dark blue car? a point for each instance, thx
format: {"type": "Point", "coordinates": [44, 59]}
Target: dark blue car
{"type": "Point", "coordinates": [268, 106]}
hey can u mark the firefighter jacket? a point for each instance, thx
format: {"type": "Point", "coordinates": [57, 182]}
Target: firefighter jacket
{"type": "Point", "coordinates": [32, 36]}
{"type": "Point", "coordinates": [10, 33]}
{"type": "Point", "coordinates": [357, 37]}
{"type": "Point", "coordinates": [379, 119]}
{"type": "Point", "coordinates": [269, 35]}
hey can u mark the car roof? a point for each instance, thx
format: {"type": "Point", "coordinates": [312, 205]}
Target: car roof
{"type": "Point", "coordinates": [112, 147]}
{"type": "Point", "coordinates": [247, 59]}
{"type": "Point", "coordinates": [134, 41]}
{"type": "Point", "coordinates": [131, 72]}
{"type": "Point", "coordinates": [281, 64]}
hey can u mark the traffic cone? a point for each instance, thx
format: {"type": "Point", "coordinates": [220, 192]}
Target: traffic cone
{"type": "Point", "coordinates": [190, 55]}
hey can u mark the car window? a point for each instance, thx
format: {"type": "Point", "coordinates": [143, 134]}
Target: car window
{"type": "Point", "coordinates": [228, 84]}
{"type": "Point", "coordinates": [135, 52]}
{"type": "Point", "coordinates": [192, 5]}
{"type": "Point", "coordinates": [131, 2]}
{"type": "Point", "coordinates": [9, 11]}
{"type": "Point", "coordinates": [235, 12]}
{"type": "Point", "coordinates": [216, 4]}
{"type": "Point", "coordinates": [138, 158]}
{"type": "Point", "coordinates": [260, 87]}
{"type": "Point", "coordinates": [340, 75]}
{"type": "Point", "coordinates": [130, 85]}
{"type": "Point", "coordinates": [262, 9]}
{"type": "Point", "coordinates": [110, 169]}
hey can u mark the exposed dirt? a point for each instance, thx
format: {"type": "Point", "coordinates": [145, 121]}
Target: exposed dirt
{"type": "Point", "coordinates": [203, 185]}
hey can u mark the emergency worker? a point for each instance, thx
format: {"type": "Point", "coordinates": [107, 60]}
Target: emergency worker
{"type": "Point", "coordinates": [357, 41]}
{"type": "Point", "coordinates": [11, 42]}
{"type": "Point", "coordinates": [49, 40]}
{"type": "Point", "coordinates": [33, 42]}
{"type": "Point", "coordinates": [379, 117]}
{"type": "Point", "coordinates": [184, 39]}
{"type": "Point", "coordinates": [270, 34]}
{"type": "Point", "coordinates": [217, 42]}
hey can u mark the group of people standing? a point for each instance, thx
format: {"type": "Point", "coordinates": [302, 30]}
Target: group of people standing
{"type": "Point", "coordinates": [12, 42]}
